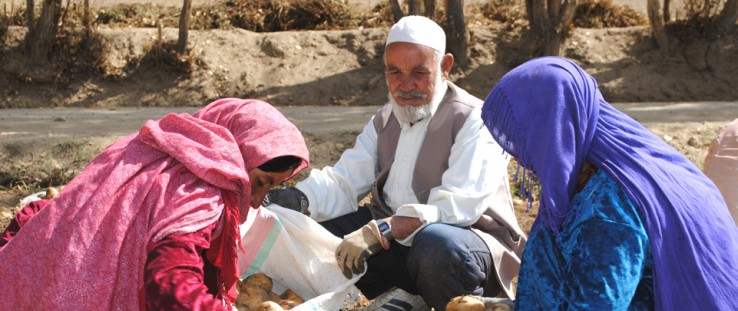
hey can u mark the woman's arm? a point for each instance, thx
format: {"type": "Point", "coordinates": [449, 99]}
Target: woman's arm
{"type": "Point", "coordinates": [20, 219]}
{"type": "Point", "coordinates": [174, 274]}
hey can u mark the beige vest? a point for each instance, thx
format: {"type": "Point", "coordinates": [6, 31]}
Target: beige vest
{"type": "Point", "coordinates": [498, 227]}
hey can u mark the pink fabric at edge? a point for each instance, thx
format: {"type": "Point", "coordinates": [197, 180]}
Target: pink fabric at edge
{"type": "Point", "coordinates": [721, 165]}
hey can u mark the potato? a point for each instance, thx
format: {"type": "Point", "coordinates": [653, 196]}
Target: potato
{"type": "Point", "coordinates": [465, 303]}
{"type": "Point", "coordinates": [291, 296]}
{"type": "Point", "coordinates": [270, 306]}
{"type": "Point", "coordinates": [259, 280]}
{"type": "Point", "coordinates": [287, 304]}
{"type": "Point", "coordinates": [251, 298]}
{"type": "Point", "coordinates": [51, 193]}
{"type": "Point", "coordinates": [255, 293]}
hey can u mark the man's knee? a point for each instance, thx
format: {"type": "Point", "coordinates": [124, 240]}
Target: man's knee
{"type": "Point", "coordinates": [456, 253]}
{"type": "Point", "coordinates": [439, 246]}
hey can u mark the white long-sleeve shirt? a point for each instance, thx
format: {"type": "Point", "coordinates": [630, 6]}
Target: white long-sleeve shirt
{"type": "Point", "coordinates": [477, 172]}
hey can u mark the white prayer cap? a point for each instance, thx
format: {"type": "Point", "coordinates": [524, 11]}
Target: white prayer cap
{"type": "Point", "coordinates": [419, 30]}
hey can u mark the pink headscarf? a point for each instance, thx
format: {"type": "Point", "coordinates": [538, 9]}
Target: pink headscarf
{"type": "Point", "coordinates": [177, 175]}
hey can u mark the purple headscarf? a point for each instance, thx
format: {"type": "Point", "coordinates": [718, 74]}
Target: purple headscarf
{"type": "Point", "coordinates": [550, 115]}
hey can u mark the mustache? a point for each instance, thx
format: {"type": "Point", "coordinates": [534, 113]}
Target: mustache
{"type": "Point", "coordinates": [415, 94]}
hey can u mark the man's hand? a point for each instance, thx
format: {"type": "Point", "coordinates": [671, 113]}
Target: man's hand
{"type": "Point", "coordinates": [356, 248]}
{"type": "Point", "coordinates": [290, 197]}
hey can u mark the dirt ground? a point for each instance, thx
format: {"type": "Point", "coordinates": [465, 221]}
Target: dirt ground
{"type": "Point", "coordinates": [54, 144]}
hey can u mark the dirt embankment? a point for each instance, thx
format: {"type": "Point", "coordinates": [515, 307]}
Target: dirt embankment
{"type": "Point", "coordinates": [345, 68]}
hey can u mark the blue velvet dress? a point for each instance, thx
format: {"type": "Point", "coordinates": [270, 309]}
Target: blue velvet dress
{"type": "Point", "coordinates": [601, 259]}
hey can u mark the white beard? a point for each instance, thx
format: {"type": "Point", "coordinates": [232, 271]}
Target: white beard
{"type": "Point", "coordinates": [414, 114]}
{"type": "Point", "coordinates": [410, 114]}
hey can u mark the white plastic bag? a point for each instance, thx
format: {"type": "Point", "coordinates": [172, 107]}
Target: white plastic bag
{"type": "Point", "coordinates": [297, 253]}
{"type": "Point", "coordinates": [33, 197]}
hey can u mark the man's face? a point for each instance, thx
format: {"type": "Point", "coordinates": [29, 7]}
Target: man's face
{"type": "Point", "coordinates": [411, 73]}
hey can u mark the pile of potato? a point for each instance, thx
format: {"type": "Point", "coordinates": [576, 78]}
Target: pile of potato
{"type": "Point", "coordinates": [255, 294]}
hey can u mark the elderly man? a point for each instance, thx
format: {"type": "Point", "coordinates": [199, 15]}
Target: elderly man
{"type": "Point", "coordinates": [440, 222]}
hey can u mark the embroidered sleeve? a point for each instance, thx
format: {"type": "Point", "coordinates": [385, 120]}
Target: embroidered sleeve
{"type": "Point", "coordinates": [175, 276]}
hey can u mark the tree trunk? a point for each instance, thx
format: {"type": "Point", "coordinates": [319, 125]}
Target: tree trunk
{"type": "Point", "coordinates": [159, 47]}
{"type": "Point", "coordinates": [729, 15]}
{"type": "Point", "coordinates": [657, 24]}
{"type": "Point", "coordinates": [426, 8]}
{"type": "Point", "coordinates": [30, 16]}
{"type": "Point", "coordinates": [45, 30]}
{"type": "Point", "coordinates": [430, 8]}
{"type": "Point", "coordinates": [456, 31]}
{"type": "Point", "coordinates": [5, 22]}
{"type": "Point", "coordinates": [414, 7]}
{"type": "Point", "coordinates": [86, 22]}
{"type": "Point", "coordinates": [63, 18]}
{"type": "Point", "coordinates": [184, 26]}
{"type": "Point", "coordinates": [396, 10]}
{"type": "Point", "coordinates": [667, 11]}
{"type": "Point", "coordinates": [538, 20]}
{"type": "Point", "coordinates": [549, 20]}
{"type": "Point", "coordinates": [563, 13]}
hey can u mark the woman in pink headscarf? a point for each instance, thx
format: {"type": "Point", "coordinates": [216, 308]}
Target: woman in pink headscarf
{"type": "Point", "coordinates": [152, 222]}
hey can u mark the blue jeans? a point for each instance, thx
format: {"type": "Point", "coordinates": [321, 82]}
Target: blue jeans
{"type": "Point", "coordinates": [444, 261]}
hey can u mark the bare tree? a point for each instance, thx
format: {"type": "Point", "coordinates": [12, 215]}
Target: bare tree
{"type": "Point", "coordinates": [5, 24]}
{"type": "Point", "coordinates": [63, 20]}
{"type": "Point", "coordinates": [30, 6]}
{"type": "Point", "coordinates": [456, 37]}
{"type": "Point", "coordinates": [657, 22]}
{"type": "Point", "coordinates": [396, 10]}
{"type": "Point", "coordinates": [414, 7]}
{"type": "Point", "coordinates": [41, 37]}
{"type": "Point", "coordinates": [667, 10]}
{"type": "Point", "coordinates": [455, 25]}
{"type": "Point", "coordinates": [549, 21]}
{"type": "Point", "coordinates": [184, 25]}
{"type": "Point", "coordinates": [86, 21]}
{"type": "Point", "coordinates": [729, 15]}
{"type": "Point", "coordinates": [425, 8]}
{"type": "Point", "coordinates": [430, 8]}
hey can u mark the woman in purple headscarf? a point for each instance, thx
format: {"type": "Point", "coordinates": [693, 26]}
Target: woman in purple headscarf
{"type": "Point", "coordinates": [625, 222]}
